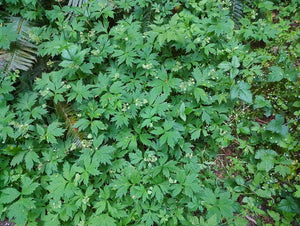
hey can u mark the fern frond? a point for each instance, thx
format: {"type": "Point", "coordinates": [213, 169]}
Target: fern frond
{"type": "Point", "coordinates": [65, 112]}
{"type": "Point", "coordinates": [237, 11]}
{"type": "Point", "coordinates": [147, 20]}
{"type": "Point", "coordinates": [22, 54]}
{"type": "Point", "coordinates": [79, 3]}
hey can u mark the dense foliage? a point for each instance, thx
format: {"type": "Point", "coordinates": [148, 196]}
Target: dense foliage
{"type": "Point", "coordinates": [139, 112]}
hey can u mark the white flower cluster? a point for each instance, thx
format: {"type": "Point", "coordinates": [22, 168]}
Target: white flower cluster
{"type": "Point", "coordinates": [177, 67]}
{"type": "Point", "coordinates": [171, 181]}
{"type": "Point", "coordinates": [150, 190]}
{"type": "Point", "coordinates": [34, 37]}
{"type": "Point", "coordinates": [189, 155]}
{"type": "Point", "coordinates": [85, 200]}
{"type": "Point", "coordinates": [185, 85]}
{"type": "Point", "coordinates": [147, 66]}
{"type": "Point", "coordinates": [82, 37]}
{"type": "Point", "coordinates": [117, 75]}
{"type": "Point", "coordinates": [44, 92]}
{"type": "Point", "coordinates": [50, 63]}
{"type": "Point", "coordinates": [253, 14]}
{"type": "Point", "coordinates": [67, 86]}
{"type": "Point", "coordinates": [56, 205]}
{"type": "Point", "coordinates": [95, 52]}
{"type": "Point", "coordinates": [207, 40]}
{"type": "Point", "coordinates": [125, 107]}
{"type": "Point", "coordinates": [120, 29]}
{"type": "Point", "coordinates": [150, 158]}
{"type": "Point", "coordinates": [140, 103]}
{"type": "Point", "coordinates": [91, 33]}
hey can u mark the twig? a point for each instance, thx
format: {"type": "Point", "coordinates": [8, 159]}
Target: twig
{"type": "Point", "coordinates": [251, 219]}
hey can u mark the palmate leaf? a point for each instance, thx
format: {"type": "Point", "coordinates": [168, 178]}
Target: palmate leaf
{"type": "Point", "coordinates": [84, 4]}
{"type": "Point", "coordinates": [241, 91]}
{"type": "Point", "coordinates": [18, 211]}
{"type": "Point", "coordinates": [21, 54]}
{"type": "Point", "coordinates": [102, 219]}
{"type": "Point", "coordinates": [8, 195]}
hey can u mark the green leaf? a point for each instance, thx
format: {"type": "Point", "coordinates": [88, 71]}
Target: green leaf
{"type": "Point", "coordinates": [276, 74]}
{"type": "Point", "coordinates": [240, 180]}
{"type": "Point", "coordinates": [31, 157]}
{"type": "Point", "coordinates": [276, 126]}
{"type": "Point", "coordinates": [196, 134]}
{"type": "Point", "coordinates": [176, 189]}
{"type": "Point", "coordinates": [221, 27]}
{"type": "Point", "coordinates": [97, 124]}
{"type": "Point", "coordinates": [158, 131]}
{"type": "Point", "coordinates": [206, 117]}
{"type": "Point", "coordinates": [182, 112]}
{"type": "Point", "coordinates": [244, 92]}
{"type": "Point", "coordinates": [297, 193]}
{"type": "Point", "coordinates": [80, 91]}
{"type": "Point", "coordinates": [226, 66]}
{"type": "Point", "coordinates": [57, 186]}
{"type": "Point", "coordinates": [38, 112]}
{"type": "Point", "coordinates": [8, 34]}
{"type": "Point", "coordinates": [235, 62]}
{"type": "Point", "coordinates": [282, 170]}
{"type": "Point", "coordinates": [241, 91]}
{"type": "Point", "coordinates": [120, 119]}
{"type": "Point", "coordinates": [86, 68]}
{"type": "Point", "coordinates": [91, 166]}
{"type": "Point", "coordinates": [19, 210]}
{"type": "Point", "coordinates": [122, 185]}
{"type": "Point", "coordinates": [263, 193]}
{"type": "Point", "coordinates": [26, 101]}
{"type": "Point", "coordinates": [102, 219]}
{"type": "Point", "coordinates": [145, 139]}
{"type": "Point", "coordinates": [226, 205]}
{"type": "Point", "coordinates": [28, 186]}
{"type": "Point", "coordinates": [261, 102]}
{"type": "Point", "coordinates": [53, 131]}
{"type": "Point", "coordinates": [157, 193]}
{"type": "Point", "coordinates": [171, 137]}
{"type": "Point", "coordinates": [208, 196]}
{"type": "Point", "coordinates": [262, 153]}
{"type": "Point", "coordinates": [82, 124]}
{"type": "Point", "coordinates": [8, 195]}
{"type": "Point", "coordinates": [200, 94]}
{"type": "Point", "coordinates": [104, 154]}
{"type": "Point", "coordinates": [17, 158]}
{"type": "Point", "coordinates": [274, 215]}
{"type": "Point", "coordinates": [136, 157]}
{"type": "Point", "coordinates": [211, 221]}
{"type": "Point", "coordinates": [149, 218]}
{"type": "Point", "coordinates": [289, 205]}
{"type": "Point", "coordinates": [98, 141]}
{"type": "Point", "coordinates": [267, 159]}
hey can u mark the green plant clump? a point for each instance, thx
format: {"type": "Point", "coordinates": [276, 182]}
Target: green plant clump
{"type": "Point", "coordinates": [139, 112]}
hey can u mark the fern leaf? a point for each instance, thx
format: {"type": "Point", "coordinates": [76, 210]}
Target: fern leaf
{"type": "Point", "coordinates": [65, 112]}
{"type": "Point", "coordinates": [22, 54]}
{"type": "Point", "coordinates": [237, 11]}
{"type": "Point", "coordinates": [79, 3]}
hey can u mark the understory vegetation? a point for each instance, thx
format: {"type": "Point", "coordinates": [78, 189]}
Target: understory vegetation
{"type": "Point", "coordinates": [149, 112]}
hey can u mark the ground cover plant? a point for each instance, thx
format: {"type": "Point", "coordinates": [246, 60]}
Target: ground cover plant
{"type": "Point", "coordinates": [144, 112]}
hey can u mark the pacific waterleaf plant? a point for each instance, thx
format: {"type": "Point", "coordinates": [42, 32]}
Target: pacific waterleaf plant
{"type": "Point", "coordinates": [148, 112]}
